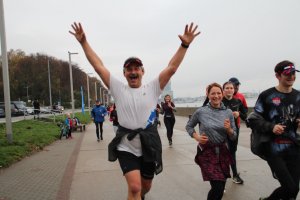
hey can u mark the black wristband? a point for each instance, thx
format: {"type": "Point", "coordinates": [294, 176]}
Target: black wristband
{"type": "Point", "coordinates": [185, 45]}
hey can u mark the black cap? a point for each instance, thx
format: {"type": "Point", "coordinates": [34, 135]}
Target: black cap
{"type": "Point", "coordinates": [235, 81]}
{"type": "Point", "coordinates": [131, 60]}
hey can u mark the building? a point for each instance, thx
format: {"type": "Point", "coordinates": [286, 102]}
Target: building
{"type": "Point", "coordinates": [167, 90]}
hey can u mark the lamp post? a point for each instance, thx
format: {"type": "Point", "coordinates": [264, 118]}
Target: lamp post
{"type": "Point", "coordinates": [105, 95]}
{"type": "Point", "coordinates": [27, 92]}
{"type": "Point", "coordinates": [71, 81]}
{"type": "Point", "coordinates": [101, 95]}
{"type": "Point", "coordinates": [50, 97]}
{"type": "Point", "coordinates": [88, 90]}
{"type": "Point", "coordinates": [95, 90]}
{"type": "Point", "coordinates": [5, 75]}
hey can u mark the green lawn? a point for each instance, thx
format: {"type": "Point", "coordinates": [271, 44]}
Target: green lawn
{"type": "Point", "coordinates": [30, 136]}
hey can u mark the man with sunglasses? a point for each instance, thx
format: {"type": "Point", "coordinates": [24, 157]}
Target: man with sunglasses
{"type": "Point", "coordinates": [279, 108]}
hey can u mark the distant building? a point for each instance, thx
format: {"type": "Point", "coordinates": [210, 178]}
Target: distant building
{"type": "Point", "coordinates": [167, 90]}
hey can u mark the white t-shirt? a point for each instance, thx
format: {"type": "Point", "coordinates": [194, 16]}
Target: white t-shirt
{"type": "Point", "coordinates": [136, 109]}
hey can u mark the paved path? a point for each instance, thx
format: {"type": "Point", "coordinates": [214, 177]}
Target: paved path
{"type": "Point", "coordinates": [78, 169]}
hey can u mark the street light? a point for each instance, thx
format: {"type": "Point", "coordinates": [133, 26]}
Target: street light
{"type": "Point", "coordinates": [5, 75]}
{"type": "Point", "coordinates": [88, 90]}
{"type": "Point", "coordinates": [105, 95]}
{"type": "Point", "coordinates": [50, 97]}
{"type": "Point", "coordinates": [71, 81]}
{"type": "Point", "coordinates": [95, 90]}
{"type": "Point", "coordinates": [27, 92]}
{"type": "Point", "coordinates": [101, 94]}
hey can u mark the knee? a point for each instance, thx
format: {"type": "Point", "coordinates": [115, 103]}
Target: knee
{"type": "Point", "coordinates": [134, 187]}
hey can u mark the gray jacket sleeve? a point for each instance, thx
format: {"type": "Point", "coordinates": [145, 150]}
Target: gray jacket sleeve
{"type": "Point", "coordinates": [193, 121]}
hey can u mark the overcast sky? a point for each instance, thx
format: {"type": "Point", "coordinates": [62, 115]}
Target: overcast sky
{"type": "Point", "coordinates": [239, 38]}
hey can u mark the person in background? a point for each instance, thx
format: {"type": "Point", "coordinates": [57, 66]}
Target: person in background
{"type": "Point", "coordinates": [137, 144]}
{"type": "Point", "coordinates": [237, 94]}
{"type": "Point", "coordinates": [158, 111]}
{"type": "Point", "coordinates": [36, 107]}
{"type": "Point", "coordinates": [216, 127]}
{"type": "Point", "coordinates": [114, 118]}
{"type": "Point", "coordinates": [238, 111]}
{"type": "Point", "coordinates": [69, 124]}
{"type": "Point", "coordinates": [98, 116]}
{"type": "Point", "coordinates": [168, 108]}
{"type": "Point", "coordinates": [279, 118]}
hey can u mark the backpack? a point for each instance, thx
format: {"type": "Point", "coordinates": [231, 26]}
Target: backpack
{"type": "Point", "coordinates": [256, 145]}
{"type": "Point", "coordinates": [257, 138]}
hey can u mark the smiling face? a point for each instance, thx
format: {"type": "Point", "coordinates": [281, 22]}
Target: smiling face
{"type": "Point", "coordinates": [133, 75]}
{"type": "Point", "coordinates": [167, 98]}
{"type": "Point", "coordinates": [215, 95]}
{"type": "Point", "coordinates": [286, 80]}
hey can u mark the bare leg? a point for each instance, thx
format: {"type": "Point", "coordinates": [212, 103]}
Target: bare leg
{"type": "Point", "coordinates": [146, 186]}
{"type": "Point", "coordinates": [133, 179]}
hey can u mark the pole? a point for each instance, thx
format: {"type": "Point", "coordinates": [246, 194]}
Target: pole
{"type": "Point", "coordinates": [27, 92]}
{"type": "Point", "coordinates": [104, 95]}
{"type": "Point", "coordinates": [96, 90]}
{"type": "Point", "coordinates": [50, 97]}
{"type": "Point", "coordinates": [71, 82]}
{"type": "Point", "coordinates": [101, 95]}
{"type": "Point", "coordinates": [5, 75]}
{"type": "Point", "coordinates": [88, 90]}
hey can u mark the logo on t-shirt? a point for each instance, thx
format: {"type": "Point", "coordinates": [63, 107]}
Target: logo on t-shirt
{"type": "Point", "coordinates": [151, 118]}
{"type": "Point", "coordinates": [276, 101]}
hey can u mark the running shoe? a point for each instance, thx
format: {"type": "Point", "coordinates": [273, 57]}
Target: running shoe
{"type": "Point", "coordinates": [237, 179]}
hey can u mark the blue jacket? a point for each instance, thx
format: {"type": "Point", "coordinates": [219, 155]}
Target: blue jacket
{"type": "Point", "coordinates": [98, 113]}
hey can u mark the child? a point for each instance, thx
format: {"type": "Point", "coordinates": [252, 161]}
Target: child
{"type": "Point", "coordinates": [69, 123]}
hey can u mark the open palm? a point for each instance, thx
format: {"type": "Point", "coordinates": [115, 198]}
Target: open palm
{"type": "Point", "coordinates": [78, 32]}
{"type": "Point", "coordinates": [189, 34]}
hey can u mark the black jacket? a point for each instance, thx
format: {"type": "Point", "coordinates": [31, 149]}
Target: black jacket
{"type": "Point", "coordinates": [151, 145]}
{"type": "Point", "coordinates": [261, 134]}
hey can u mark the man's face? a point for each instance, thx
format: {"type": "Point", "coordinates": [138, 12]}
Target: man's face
{"type": "Point", "coordinates": [236, 88]}
{"type": "Point", "coordinates": [133, 75]}
{"type": "Point", "coordinates": [286, 80]}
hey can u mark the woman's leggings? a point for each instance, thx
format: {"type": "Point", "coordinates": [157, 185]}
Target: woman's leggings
{"type": "Point", "coordinates": [169, 123]}
{"type": "Point", "coordinates": [217, 190]}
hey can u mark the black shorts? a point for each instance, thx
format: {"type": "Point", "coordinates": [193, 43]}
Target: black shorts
{"type": "Point", "coordinates": [130, 162]}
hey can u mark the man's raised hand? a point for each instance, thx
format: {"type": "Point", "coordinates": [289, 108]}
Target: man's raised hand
{"type": "Point", "coordinates": [78, 32]}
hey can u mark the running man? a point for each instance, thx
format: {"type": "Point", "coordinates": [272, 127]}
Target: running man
{"type": "Point", "coordinates": [136, 102]}
{"type": "Point", "coordinates": [279, 108]}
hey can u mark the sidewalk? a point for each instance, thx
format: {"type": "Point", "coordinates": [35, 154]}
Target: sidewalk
{"type": "Point", "coordinates": [78, 169]}
{"type": "Point", "coordinates": [41, 175]}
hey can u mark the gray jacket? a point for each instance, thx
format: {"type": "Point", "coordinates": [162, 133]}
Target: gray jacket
{"type": "Point", "coordinates": [211, 122]}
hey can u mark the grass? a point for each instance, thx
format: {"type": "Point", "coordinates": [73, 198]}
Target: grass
{"type": "Point", "coordinates": [30, 136]}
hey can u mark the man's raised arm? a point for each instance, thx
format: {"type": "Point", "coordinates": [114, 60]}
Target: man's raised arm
{"type": "Point", "coordinates": [186, 39]}
{"type": "Point", "coordinates": [92, 57]}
